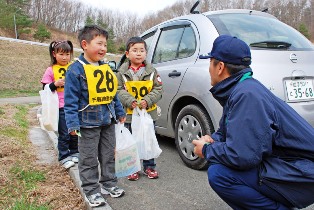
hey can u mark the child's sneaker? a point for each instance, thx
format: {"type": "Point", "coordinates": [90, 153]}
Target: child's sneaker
{"type": "Point", "coordinates": [75, 159]}
{"type": "Point", "coordinates": [133, 177]}
{"type": "Point", "coordinates": [114, 192]}
{"type": "Point", "coordinates": [68, 164]}
{"type": "Point", "coordinates": [96, 200]}
{"type": "Point", "coordinates": [151, 173]}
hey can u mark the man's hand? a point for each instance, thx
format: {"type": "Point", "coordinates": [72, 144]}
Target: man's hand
{"type": "Point", "coordinates": [208, 139]}
{"type": "Point", "coordinates": [198, 146]}
{"type": "Point", "coordinates": [199, 143]}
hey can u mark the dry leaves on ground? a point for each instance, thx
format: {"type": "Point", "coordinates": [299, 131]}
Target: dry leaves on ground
{"type": "Point", "coordinates": [57, 190]}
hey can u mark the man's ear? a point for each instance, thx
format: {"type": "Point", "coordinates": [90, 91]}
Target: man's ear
{"type": "Point", "coordinates": [221, 68]}
{"type": "Point", "coordinates": [223, 71]}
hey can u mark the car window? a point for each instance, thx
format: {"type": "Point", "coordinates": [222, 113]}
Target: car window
{"type": "Point", "coordinates": [174, 43]}
{"type": "Point", "coordinates": [187, 44]}
{"type": "Point", "coordinates": [260, 31]}
{"type": "Point", "coordinates": [148, 38]}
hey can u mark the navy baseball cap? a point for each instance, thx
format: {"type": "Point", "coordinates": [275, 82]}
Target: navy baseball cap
{"type": "Point", "coordinates": [231, 50]}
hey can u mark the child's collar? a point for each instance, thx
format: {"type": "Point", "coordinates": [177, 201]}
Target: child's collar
{"type": "Point", "coordinates": [136, 69]}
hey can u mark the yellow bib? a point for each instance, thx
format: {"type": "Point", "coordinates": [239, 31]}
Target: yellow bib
{"type": "Point", "coordinates": [139, 89]}
{"type": "Point", "coordinates": [59, 73]}
{"type": "Point", "coordinates": [102, 84]}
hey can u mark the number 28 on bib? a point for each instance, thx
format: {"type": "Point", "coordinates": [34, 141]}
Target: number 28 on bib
{"type": "Point", "coordinates": [102, 84]}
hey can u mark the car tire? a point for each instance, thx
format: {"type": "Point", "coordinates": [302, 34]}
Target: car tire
{"type": "Point", "coordinates": [192, 123]}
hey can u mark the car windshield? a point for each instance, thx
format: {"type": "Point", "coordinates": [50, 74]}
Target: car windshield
{"type": "Point", "coordinates": [260, 31]}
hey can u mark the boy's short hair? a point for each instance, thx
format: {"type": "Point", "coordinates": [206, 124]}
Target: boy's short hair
{"type": "Point", "coordinates": [89, 32]}
{"type": "Point", "coordinates": [135, 40]}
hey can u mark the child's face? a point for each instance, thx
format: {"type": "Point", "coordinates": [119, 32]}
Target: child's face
{"type": "Point", "coordinates": [62, 58]}
{"type": "Point", "coordinates": [96, 49]}
{"type": "Point", "coordinates": [136, 54]}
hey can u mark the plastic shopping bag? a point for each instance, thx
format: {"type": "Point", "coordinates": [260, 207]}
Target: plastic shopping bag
{"type": "Point", "coordinates": [127, 160]}
{"type": "Point", "coordinates": [144, 134]}
{"type": "Point", "coordinates": [50, 109]}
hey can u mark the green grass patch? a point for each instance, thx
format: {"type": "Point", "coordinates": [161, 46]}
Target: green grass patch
{"type": "Point", "coordinates": [28, 177]}
{"type": "Point", "coordinates": [20, 116]}
{"type": "Point", "coordinates": [23, 204]}
{"type": "Point", "coordinates": [13, 133]}
{"type": "Point", "coordinates": [2, 112]}
{"type": "Point", "coordinates": [18, 93]}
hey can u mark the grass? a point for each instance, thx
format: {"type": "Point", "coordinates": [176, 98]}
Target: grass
{"type": "Point", "coordinates": [17, 93]}
{"type": "Point", "coordinates": [24, 183]}
{"type": "Point", "coordinates": [23, 204]}
{"type": "Point", "coordinates": [22, 67]}
{"type": "Point", "coordinates": [19, 176]}
{"type": "Point", "coordinates": [20, 116]}
{"type": "Point", "coordinates": [27, 177]}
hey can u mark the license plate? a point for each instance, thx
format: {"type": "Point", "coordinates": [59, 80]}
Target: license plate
{"type": "Point", "coordinates": [299, 90]}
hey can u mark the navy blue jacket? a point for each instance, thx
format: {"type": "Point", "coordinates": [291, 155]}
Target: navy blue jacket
{"type": "Point", "coordinates": [76, 98]}
{"type": "Point", "coordinates": [257, 129]}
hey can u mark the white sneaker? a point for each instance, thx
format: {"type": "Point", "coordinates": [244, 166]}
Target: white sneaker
{"type": "Point", "coordinates": [68, 164]}
{"type": "Point", "coordinates": [96, 200]}
{"type": "Point", "coordinates": [114, 192]}
{"type": "Point", "coordinates": [75, 159]}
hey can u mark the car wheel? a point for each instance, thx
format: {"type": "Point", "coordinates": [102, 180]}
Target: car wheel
{"type": "Point", "coordinates": [192, 123]}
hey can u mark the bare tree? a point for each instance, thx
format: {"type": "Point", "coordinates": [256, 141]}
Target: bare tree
{"type": "Point", "coordinates": [69, 15]}
{"type": "Point", "coordinates": [312, 21]}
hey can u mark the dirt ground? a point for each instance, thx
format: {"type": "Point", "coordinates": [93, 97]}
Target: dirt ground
{"type": "Point", "coordinates": [56, 191]}
{"type": "Point", "coordinates": [58, 187]}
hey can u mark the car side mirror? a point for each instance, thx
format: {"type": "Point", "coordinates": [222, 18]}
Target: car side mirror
{"type": "Point", "coordinates": [113, 65]}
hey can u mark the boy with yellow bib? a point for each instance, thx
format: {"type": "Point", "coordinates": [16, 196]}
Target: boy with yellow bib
{"type": "Point", "coordinates": [91, 110]}
{"type": "Point", "coordinates": [139, 85]}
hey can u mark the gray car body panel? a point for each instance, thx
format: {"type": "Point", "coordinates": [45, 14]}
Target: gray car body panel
{"type": "Point", "coordinates": [269, 66]}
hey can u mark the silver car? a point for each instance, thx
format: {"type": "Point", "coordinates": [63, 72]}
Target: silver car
{"type": "Point", "coordinates": [282, 59]}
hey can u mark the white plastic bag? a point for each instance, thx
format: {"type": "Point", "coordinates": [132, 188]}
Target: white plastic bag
{"type": "Point", "coordinates": [127, 160]}
{"type": "Point", "coordinates": [144, 134]}
{"type": "Point", "coordinates": [50, 109]}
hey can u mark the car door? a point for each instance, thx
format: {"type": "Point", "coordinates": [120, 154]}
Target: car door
{"type": "Point", "coordinates": [171, 54]}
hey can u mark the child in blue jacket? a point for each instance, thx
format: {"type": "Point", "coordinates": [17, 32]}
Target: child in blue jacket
{"type": "Point", "coordinates": [91, 111]}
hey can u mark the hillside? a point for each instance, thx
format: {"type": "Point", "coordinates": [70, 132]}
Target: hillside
{"type": "Point", "coordinates": [22, 67]}
{"type": "Point", "coordinates": [55, 35]}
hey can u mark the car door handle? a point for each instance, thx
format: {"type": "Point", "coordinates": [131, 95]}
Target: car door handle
{"type": "Point", "coordinates": [174, 74]}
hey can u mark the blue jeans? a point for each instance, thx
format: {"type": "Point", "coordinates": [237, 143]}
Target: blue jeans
{"type": "Point", "coordinates": [146, 163]}
{"type": "Point", "coordinates": [67, 144]}
{"type": "Point", "coordinates": [241, 189]}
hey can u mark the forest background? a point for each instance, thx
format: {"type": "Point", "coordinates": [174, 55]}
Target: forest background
{"type": "Point", "coordinates": [22, 65]}
{"type": "Point", "coordinates": [39, 19]}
